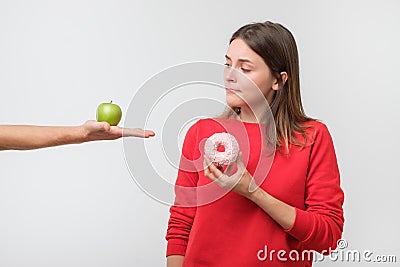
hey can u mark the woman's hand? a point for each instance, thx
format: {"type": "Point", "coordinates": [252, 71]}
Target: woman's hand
{"type": "Point", "coordinates": [93, 130]}
{"type": "Point", "coordinates": [241, 181]}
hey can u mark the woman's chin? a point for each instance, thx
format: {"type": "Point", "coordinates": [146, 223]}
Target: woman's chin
{"type": "Point", "coordinates": [234, 101]}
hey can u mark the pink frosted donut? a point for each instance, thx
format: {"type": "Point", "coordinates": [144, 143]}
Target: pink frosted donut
{"type": "Point", "coordinates": [226, 140]}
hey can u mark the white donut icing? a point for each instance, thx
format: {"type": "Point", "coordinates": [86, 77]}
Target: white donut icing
{"type": "Point", "coordinates": [221, 139]}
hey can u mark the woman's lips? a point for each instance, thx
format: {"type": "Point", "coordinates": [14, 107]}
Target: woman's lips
{"type": "Point", "coordinates": [230, 90]}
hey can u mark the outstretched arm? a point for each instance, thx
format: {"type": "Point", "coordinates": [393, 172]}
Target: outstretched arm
{"type": "Point", "coordinates": [26, 137]}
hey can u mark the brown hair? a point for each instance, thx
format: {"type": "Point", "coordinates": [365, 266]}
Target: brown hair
{"type": "Point", "coordinates": [277, 46]}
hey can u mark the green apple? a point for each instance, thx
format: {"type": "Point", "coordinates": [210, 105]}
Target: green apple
{"type": "Point", "coordinates": [109, 112]}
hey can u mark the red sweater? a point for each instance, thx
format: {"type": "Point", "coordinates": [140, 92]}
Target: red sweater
{"type": "Point", "coordinates": [233, 231]}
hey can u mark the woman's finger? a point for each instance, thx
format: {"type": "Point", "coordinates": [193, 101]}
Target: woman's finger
{"type": "Point", "coordinates": [206, 163]}
{"type": "Point", "coordinates": [206, 171]}
{"type": "Point", "coordinates": [229, 169]}
{"type": "Point", "coordinates": [212, 176]}
{"type": "Point", "coordinates": [215, 171]}
{"type": "Point", "coordinates": [239, 162]}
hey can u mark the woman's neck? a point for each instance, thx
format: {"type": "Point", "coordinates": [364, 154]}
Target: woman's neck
{"type": "Point", "coordinates": [252, 116]}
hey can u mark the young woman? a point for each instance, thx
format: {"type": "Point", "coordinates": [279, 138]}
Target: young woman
{"type": "Point", "coordinates": [296, 207]}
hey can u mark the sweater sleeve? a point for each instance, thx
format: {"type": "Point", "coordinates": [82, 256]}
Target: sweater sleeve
{"type": "Point", "coordinates": [320, 225]}
{"type": "Point", "coordinates": [183, 211]}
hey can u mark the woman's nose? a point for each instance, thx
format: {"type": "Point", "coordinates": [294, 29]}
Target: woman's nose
{"type": "Point", "coordinates": [230, 74]}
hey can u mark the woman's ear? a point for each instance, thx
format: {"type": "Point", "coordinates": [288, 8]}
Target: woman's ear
{"type": "Point", "coordinates": [284, 77]}
{"type": "Point", "coordinates": [280, 82]}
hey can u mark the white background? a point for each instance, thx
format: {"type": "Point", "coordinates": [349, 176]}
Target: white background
{"type": "Point", "coordinates": [78, 205]}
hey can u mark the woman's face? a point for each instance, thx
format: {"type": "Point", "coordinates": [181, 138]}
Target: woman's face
{"type": "Point", "coordinates": [248, 80]}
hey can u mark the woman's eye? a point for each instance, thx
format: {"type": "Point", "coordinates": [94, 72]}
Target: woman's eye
{"type": "Point", "coordinates": [227, 64]}
{"type": "Point", "coordinates": [245, 70]}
